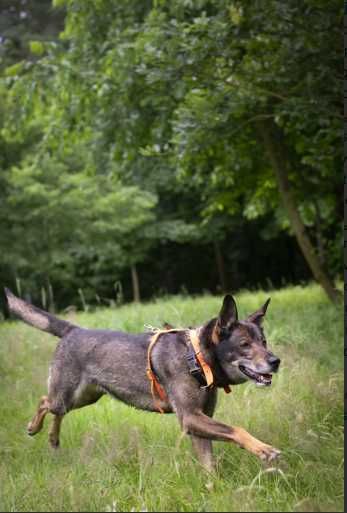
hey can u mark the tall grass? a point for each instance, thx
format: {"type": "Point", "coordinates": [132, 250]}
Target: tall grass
{"type": "Point", "coordinates": [115, 458]}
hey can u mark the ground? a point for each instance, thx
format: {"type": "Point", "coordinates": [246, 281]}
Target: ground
{"type": "Point", "coordinates": [114, 458]}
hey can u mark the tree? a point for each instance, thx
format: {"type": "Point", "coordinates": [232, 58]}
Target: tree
{"type": "Point", "coordinates": [259, 90]}
{"type": "Point", "coordinates": [205, 117]}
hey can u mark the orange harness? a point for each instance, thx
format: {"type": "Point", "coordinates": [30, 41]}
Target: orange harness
{"type": "Point", "coordinates": [156, 388]}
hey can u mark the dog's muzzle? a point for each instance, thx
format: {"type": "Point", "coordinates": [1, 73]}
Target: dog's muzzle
{"type": "Point", "coordinates": [261, 378]}
{"type": "Point", "coordinates": [274, 361]}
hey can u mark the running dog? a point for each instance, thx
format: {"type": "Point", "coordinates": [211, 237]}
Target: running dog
{"type": "Point", "coordinates": [171, 371]}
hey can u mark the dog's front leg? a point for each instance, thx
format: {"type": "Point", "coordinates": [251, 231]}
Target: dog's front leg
{"type": "Point", "coordinates": [54, 431]}
{"type": "Point", "coordinates": [200, 425]}
{"type": "Point", "coordinates": [203, 446]}
{"type": "Point", "coordinates": [203, 449]}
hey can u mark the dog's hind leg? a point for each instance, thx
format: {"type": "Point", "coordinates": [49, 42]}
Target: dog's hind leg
{"type": "Point", "coordinates": [55, 431]}
{"type": "Point", "coordinates": [65, 401]}
{"type": "Point", "coordinates": [89, 397]}
{"type": "Point", "coordinates": [36, 423]}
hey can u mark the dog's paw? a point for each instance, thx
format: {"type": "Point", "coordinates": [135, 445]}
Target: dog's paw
{"type": "Point", "coordinates": [30, 430]}
{"type": "Point", "coordinates": [54, 444]}
{"type": "Point", "coordinates": [33, 428]}
{"type": "Point", "coordinates": [267, 453]}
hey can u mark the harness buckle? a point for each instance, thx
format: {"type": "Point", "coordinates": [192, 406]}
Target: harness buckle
{"type": "Point", "coordinates": [195, 369]}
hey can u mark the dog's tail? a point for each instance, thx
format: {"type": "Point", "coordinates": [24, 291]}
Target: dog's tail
{"type": "Point", "coordinates": [37, 317]}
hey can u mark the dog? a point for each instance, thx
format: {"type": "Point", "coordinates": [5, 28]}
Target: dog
{"type": "Point", "coordinates": [185, 367]}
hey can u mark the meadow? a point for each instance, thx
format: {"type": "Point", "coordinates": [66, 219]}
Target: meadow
{"type": "Point", "coordinates": [115, 458]}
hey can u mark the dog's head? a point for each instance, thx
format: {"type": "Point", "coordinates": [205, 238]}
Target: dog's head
{"type": "Point", "coordinates": [241, 347]}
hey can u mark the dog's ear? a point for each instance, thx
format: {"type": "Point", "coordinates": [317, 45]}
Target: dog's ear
{"type": "Point", "coordinates": [258, 316]}
{"type": "Point", "coordinates": [228, 314]}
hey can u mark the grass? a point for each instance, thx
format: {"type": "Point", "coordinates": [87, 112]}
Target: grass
{"type": "Point", "coordinates": [114, 458]}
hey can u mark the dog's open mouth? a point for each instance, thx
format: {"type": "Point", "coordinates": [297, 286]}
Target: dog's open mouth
{"type": "Point", "coordinates": [260, 379]}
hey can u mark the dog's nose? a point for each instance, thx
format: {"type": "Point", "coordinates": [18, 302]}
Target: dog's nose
{"type": "Point", "coordinates": [274, 362]}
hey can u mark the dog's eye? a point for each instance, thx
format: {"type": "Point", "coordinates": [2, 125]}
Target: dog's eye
{"type": "Point", "coordinates": [264, 342]}
{"type": "Point", "coordinates": [244, 343]}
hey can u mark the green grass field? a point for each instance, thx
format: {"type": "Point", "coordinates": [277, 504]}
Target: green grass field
{"type": "Point", "coordinates": [114, 458]}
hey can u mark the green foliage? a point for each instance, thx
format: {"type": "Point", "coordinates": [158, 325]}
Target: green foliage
{"type": "Point", "coordinates": [25, 22]}
{"type": "Point", "coordinates": [37, 47]}
{"type": "Point", "coordinates": [140, 125]}
{"type": "Point", "coordinates": [71, 219]}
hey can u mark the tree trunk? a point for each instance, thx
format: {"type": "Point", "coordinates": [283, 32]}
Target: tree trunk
{"type": "Point", "coordinates": [220, 266]}
{"type": "Point", "coordinates": [135, 283]}
{"type": "Point", "coordinates": [276, 150]}
{"type": "Point", "coordinates": [319, 234]}
{"type": "Point", "coordinates": [51, 304]}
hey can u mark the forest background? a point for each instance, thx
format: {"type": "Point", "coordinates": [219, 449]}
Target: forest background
{"type": "Point", "coordinates": [162, 147]}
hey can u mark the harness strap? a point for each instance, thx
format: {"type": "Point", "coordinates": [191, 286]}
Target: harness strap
{"type": "Point", "coordinates": [194, 338]}
{"type": "Point", "coordinates": [156, 388]}
{"type": "Point", "coordinates": [205, 367]}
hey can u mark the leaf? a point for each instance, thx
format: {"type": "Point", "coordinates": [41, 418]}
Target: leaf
{"type": "Point", "coordinates": [37, 47]}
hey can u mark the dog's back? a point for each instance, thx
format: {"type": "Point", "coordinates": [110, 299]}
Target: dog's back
{"type": "Point", "coordinates": [89, 363]}
{"type": "Point", "coordinates": [111, 361]}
